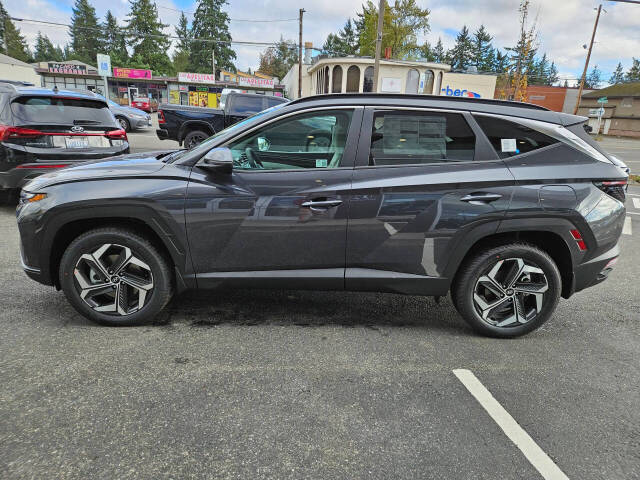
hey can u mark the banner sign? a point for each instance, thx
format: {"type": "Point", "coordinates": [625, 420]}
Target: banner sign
{"type": "Point", "coordinates": [256, 82]}
{"type": "Point", "coordinates": [67, 68]}
{"type": "Point", "coordinates": [104, 65]}
{"type": "Point", "coordinates": [131, 73]}
{"type": "Point", "coordinates": [188, 77]}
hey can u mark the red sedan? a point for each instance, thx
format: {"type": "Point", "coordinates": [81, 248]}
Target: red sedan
{"type": "Point", "coordinates": [147, 104]}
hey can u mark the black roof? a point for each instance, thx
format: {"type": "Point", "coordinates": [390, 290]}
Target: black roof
{"type": "Point", "coordinates": [477, 105]}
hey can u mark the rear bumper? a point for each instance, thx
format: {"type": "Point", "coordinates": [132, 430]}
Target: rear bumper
{"type": "Point", "coordinates": [594, 271]}
{"type": "Point", "coordinates": [162, 133]}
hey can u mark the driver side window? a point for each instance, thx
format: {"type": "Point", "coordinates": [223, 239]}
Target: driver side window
{"type": "Point", "coordinates": [309, 140]}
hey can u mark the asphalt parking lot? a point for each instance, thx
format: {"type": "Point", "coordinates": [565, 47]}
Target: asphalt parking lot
{"type": "Point", "coordinates": [144, 140]}
{"type": "Point", "coordinates": [281, 384]}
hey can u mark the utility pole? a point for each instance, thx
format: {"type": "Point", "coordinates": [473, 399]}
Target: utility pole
{"type": "Point", "coordinates": [586, 63]}
{"type": "Point", "coordinates": [302, 10]}
{"type": "Point", "coordinates": [213, 63]}
{"type": "Point", "coordinates": [376, 65]}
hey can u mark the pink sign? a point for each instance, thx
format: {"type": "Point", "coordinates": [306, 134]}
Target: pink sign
{"type": "Point", "coordinates": [131, 73]}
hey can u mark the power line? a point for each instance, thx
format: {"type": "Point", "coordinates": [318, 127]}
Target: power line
{"type": "Point", "coordinates": [191, 12]}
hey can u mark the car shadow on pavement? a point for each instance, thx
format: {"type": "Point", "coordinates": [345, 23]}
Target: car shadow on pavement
{"type": "Point", "coordinates": [201, 309]}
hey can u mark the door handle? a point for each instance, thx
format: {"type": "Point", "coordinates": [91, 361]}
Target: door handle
{"type": "Point", "coordinates": [321, 205]}
{"type": "Point", "coordinates": [481, 198]}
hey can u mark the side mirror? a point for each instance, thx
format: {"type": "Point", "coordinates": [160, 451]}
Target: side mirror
{"type": "Point", "coordinates": [219, 159]}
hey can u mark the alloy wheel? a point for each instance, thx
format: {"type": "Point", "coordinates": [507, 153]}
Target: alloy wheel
{"type": "Point", "coordinates": [195, 140]}
{"type": "Point", "coordinates": [510, 293]}
{"type": "Point", "coordinates": [112, 280]}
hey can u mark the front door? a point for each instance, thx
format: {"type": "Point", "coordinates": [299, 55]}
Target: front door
{"type": "Point", "coordinates": [133, 93]}
{"type": "Point", "coordinates": [282, 213]}
{"type": "Point", "coordinates": [424, 179]}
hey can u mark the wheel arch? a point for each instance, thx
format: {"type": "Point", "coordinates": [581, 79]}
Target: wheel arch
{"type": "Point", "coordinates": [549, 239]}
{"type": "Point", "coordinates": [57, 241]}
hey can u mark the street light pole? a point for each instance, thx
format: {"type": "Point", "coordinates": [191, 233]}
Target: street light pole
{"type": "Point", "coordinates": [302, 10]}
{"type": "Point", "coordinates": [376, 65]}
{"type": "Point", "coordinates": [586, 63]}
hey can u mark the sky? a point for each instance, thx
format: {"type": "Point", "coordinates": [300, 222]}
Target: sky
{"type": "Point", "coordinates": [564, 26]}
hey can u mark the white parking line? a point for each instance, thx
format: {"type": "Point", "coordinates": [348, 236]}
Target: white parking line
{"type": "Point", "coordinates": [627, 229]}
{"type": "Point", "coordinates": [510, 427]}
{"type": "Point", "coordinates": [636, 202]}
{"type": "Point", "coordinates": [633, 194]}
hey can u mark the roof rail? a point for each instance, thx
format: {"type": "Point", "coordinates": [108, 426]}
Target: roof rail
{"type": "Point", "coordinates": [405, 96]}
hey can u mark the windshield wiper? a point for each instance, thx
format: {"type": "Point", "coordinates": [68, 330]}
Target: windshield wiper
{"type": "Point", "coordinates": [86, 122]}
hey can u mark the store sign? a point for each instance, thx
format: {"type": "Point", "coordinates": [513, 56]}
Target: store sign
{"type": "Point", "coordinates": [391, 85]}
{"type": "Point", "coordinates": [67, 68]}
{"type": "Point", "coordinates": [131, 73]}
{"type": "Point", "coordinates": [458, 92]}
{"type": "Point", "coordinates": [187, 77]}
{"type": "Point", "coordinates": [256, 82]}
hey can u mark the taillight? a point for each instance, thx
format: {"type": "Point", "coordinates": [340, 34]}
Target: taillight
{"type": "Point", "coordinates": [161, 117]}
{"type": "Point", "coordinates": [614, 188]}
{"type": "Point", "coordinates": [117, 135]}
{"type": "Point", "coordinates": [7, 133]}
{"type": "Point", "coordinates": [577, 236]}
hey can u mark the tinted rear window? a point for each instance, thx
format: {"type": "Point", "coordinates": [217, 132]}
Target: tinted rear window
{"type": "Point", "coordinates": [245, 105]}
{"type": "Point", "coordinates": [510, 138]}
{"type": "Point", "coordinates": [60, 111]}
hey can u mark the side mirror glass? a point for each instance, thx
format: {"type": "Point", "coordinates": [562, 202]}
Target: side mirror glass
{"type": "Point", "coordinates": [219, 159]}
{"type": "Point", "coordinates": [263, 144]}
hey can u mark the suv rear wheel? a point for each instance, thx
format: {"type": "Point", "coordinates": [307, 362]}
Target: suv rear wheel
{"type": "Point", "coordinates": [507, 291]}
{"type": "Point", "coordinates": [115, 276]}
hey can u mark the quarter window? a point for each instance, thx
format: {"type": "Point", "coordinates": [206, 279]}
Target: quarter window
{"type": "Point", "coordinates": [510, 138]}
{"type": "Point", "coordinates": [420, 138]}
{"type": "Point", "coordinates": [310, 140]}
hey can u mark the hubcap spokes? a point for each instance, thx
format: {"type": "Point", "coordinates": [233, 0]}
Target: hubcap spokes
{"type": "Point", "coordinates": [510, 293]}
{"type": "Point", "coordinates": [112, 280]}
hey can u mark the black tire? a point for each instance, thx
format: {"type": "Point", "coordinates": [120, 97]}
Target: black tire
{"type": "Point", "coordinates": [142, 249]}
{"type": "Point", "coordinates": [124, 123]}
{"type": "Point", "coordinates": [194, 138]}
{"type": "Point", "coordinates": [481, 264]}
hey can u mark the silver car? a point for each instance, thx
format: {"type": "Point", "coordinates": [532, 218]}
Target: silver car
{"type": "Point", "coordinates": [129, 118]}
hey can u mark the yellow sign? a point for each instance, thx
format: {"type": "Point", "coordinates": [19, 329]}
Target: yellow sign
{"type": "Point", "coordinates": [193, 99]}
{"type": "Point", "coordinates": [213, 100]}
{"type": "Point", "coordinates": [174, 97]}
{"type": "Point", "coordinates": [202, 99]}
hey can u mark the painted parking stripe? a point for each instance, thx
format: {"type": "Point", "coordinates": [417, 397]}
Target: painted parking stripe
{"type": "Point", "coordinates": [627, 229]}
{"type": "Point", "coordinates": [633, 194]}
{"type": "Point", "coordinates": [636, 202]}
{"type": "Point", "coordinates": [633, 213]}
{"type": "Point", "coordinates": [521, 439]}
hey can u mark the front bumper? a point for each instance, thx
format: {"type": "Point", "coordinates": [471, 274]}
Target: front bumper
{"type": "Point", "coordinates": [138, 123]}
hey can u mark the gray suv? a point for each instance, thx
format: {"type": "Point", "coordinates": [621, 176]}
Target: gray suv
{"type": "Point", "coordinates": [507, 206]}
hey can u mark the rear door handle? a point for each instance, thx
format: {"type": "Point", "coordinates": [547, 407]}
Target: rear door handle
{"type": "Point", "coordinates": [321, 205]}
{"type": "Point", "coordinates": [481, 198]}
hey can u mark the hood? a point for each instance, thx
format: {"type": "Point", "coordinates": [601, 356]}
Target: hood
{"type": "Point", "coordinates": [132, 165]}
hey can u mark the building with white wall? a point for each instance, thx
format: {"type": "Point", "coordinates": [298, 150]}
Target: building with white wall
{"type": "Point", "coordinates": [355, 74]}
{"type": "Point", "coordinates": [17, 70]}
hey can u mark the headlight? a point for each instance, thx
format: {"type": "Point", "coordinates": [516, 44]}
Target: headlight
{"type": "Point", "coordinates": [143, 117]}
{"type": "Point", "coordinates": [29, 197]}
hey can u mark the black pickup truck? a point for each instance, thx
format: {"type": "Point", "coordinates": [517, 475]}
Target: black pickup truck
{"type": "Point", "coordinates": [191, 125]}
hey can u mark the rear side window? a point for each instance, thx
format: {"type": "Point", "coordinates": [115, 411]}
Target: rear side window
{"type": "Point", "coordinates": [60, 111]}
{"type": "Point", "coordinates": [408, 137]}
{"type": "Point", "coordinates": [510, 138]}
{"type": "Point", "coordinates": [271, 101]}
{"type": "Point", "coordinates": [244, 105]}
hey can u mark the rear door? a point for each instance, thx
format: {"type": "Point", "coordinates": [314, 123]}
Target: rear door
{"type": "Point", "coordinates": [54, 129]}
{"type": "Point", "coordinates": [424, 180]}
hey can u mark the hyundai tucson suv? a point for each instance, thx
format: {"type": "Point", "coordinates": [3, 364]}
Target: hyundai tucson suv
{"type": "Point", "coordinates": [43, 129]}
{"type": "Point", "coordinates": [507, 206]}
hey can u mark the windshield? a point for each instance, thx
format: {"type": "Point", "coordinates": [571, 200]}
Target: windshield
{"type": "Point", "coordinates": [206, 145]}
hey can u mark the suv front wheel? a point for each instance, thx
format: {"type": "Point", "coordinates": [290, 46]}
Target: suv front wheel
{"type": "Point", "coordinates": [507, 291]}
{"type": "Point", "coordinates": [114, 276]}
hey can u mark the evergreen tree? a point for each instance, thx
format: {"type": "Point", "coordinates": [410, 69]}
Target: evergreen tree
{"type": "Point", "coordinates": [538, 71]}
{"type": "Point", "coordinates": [146, 37]}
{"type": "Point", "coordinates": [210, 21]}
{"type": "Point", "coordinates": [594, 79]}
{"type": "Point", "coordinates": [566, 84]}
{"type": "Point", "coordinates": [85, 32]}
{"type": "Point", "coordinates": [345, 42]}
{"type": "Point", "coordinates": [183, 48]}
{"type": "Point", "coordinates": [462, 52]}
{"type": "Point", "coordinates": [115, 42]}
{"type": "Point", "coordinates": [438, 52]}
{"type": "Point", "coordinates": [483, 54]}
{"type": "Point", "coordinates": [45, 51]}
{"type": "Point", "coordinates": [618, 75]}
{"type": "Point", "coordinates": [633, 74]}
{"type": "Point", "coordinates": [12, 42]}
{"type": "Point", "coordinates": [427, 52]}
{"type": "Point", "coordinates": [501, 62]}
{"type": "Point", "coordinates": [278, 60]}
{"type": "Point", "coordinates": [552, 76]}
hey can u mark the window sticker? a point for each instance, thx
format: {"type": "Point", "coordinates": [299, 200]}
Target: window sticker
{"type": "Point", "coordinates": [509, 145]}
{"type": "Point", "coordinates": [321, 162]}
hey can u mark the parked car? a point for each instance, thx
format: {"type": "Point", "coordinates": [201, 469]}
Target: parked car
{"type": "Point", "coordinates": [190, 125]}
{"type": "Point", "coordinates": [129, 118]}
{"type": "Point", "coordinates": [145, 104]}
{"type": "Point", "coordinates": [43, 129]}
{"type": "Point", "coordinates": [506, 205]}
